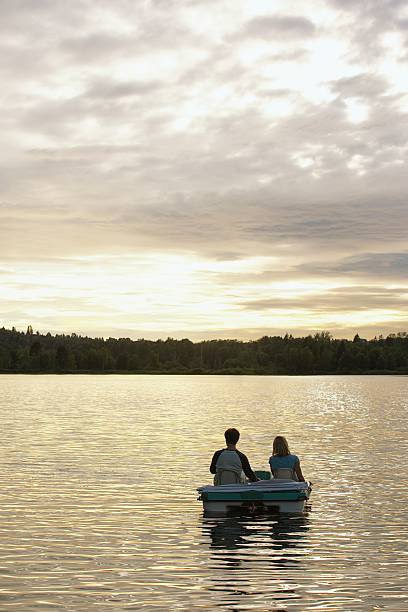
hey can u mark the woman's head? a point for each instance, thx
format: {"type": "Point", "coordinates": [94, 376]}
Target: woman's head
{"type": "Point", "coordinates": [280, 446]}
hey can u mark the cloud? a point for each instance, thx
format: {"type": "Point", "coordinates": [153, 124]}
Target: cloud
{"type": "Point", "coordinates": [284, 26]}
{"type": "Point", "coordinates": [363, 85]}
{"type": "Point", "coordinates": [265, 221]}
{"type": "Point", "coordinates": [368, 265]}
{"type": "Point", "coordinates": [109, 88]}
{"type": "Point", "coordinates": [341, 299]}
{"type": "Point", "coordinates": [220, 135]}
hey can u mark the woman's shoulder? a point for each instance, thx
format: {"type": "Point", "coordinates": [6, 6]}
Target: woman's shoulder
{"type": "Point", "coordinates": [292, 458]}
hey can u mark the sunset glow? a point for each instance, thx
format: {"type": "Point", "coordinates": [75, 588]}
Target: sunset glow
{"type": "Point", "coordinates": [202, 173]}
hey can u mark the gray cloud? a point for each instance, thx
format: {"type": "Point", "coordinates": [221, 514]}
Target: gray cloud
{"type": "Point", "coordinates": [257, 222]}
{"type": "Point", "coordinates": [109, 88]}
{"type": "Point", "coordinates": [375, 265]}
{"type": "Point", "coordinates": [342, 299]}
{"type": "Point", "coordinates": [282, 27]}
{"type": "Point", "coordinates": [363, 85]}
{"type": "Point", "coordinates": [368, 23]}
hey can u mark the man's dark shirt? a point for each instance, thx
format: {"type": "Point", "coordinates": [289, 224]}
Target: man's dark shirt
{"type": "Point", "coordinates": [244, 462]}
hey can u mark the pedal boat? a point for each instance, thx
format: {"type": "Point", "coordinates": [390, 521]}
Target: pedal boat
{"type": "Point", "coordinates": [272, 496]}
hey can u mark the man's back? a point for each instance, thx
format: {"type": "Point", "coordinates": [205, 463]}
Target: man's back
{"type": "Point", "coordinates": [234, 461]}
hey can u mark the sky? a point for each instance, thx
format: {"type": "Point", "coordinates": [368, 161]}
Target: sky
{"type": "Point", "coordinates": [204, 168]}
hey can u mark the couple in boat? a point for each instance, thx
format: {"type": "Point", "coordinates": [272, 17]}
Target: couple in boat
{"type": "Point", "coordinates": [231, 466]}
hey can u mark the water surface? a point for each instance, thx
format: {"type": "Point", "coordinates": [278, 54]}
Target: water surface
{"type": "Point", "coordinates": [99, 509]}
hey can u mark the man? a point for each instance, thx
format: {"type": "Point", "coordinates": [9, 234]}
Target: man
{"type": "Point", "coordinates": [230, 465]}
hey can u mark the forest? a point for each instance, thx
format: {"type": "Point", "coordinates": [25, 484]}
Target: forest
{"type": "Point", "coordinates": [31, 352]}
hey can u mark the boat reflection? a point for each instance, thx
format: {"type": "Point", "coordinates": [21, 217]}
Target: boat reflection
{"type": "Point", "coordinates": [255, 561]}
{"type": "Point", "coordinates": [281, 540]}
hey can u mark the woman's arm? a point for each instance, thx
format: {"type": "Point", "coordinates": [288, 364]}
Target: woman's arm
{"type": "Point", "coordinates": [298, 471]}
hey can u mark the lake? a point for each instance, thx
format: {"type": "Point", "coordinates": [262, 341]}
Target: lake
{"type": "Point", "coordinates": [99, 509]}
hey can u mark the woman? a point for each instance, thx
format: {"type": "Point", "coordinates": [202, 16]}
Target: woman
{"type": "Point", "coordinates": [283, 463]}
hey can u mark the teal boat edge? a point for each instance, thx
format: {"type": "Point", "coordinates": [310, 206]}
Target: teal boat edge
{"type": "Point", "coordinates": [253, 496]}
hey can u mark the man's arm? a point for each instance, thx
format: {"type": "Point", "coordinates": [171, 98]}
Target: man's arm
{"type": "Point", "coordinates": [213, 466]}
{"type": "Point", "coordinates": [246, 467]}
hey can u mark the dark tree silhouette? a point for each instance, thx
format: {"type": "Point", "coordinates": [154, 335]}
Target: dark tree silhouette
{"type": "Point", "coordinates": [317, 354]}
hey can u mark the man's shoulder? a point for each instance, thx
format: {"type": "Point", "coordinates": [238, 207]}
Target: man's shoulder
{"type": "Point", "coordinates": [241, 454]}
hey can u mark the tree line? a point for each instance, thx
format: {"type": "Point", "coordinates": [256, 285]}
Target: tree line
{"type": "Point", "coordinates": [314, 354]}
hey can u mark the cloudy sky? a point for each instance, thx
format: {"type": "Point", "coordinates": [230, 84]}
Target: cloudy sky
{"type": "Point", "coordinates": [204, 168]}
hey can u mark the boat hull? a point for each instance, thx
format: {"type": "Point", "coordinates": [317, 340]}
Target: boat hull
{"type": "Point", "coordinates": [258, 498]}
{"type": "Point", "coordinates": [215, 508]}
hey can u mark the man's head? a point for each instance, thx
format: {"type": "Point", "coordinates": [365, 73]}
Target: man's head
{"type": "Point", "coordinates": [231, 436]}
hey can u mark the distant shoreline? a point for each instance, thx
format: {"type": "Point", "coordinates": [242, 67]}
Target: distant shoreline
{"type": "Point", "coordinates": [34, 353]}
{"type": "Point", "coordinates": [209, 373]}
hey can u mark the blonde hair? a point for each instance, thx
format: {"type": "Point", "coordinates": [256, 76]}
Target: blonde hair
{"type": "Point", "coordinates": [280, 446]}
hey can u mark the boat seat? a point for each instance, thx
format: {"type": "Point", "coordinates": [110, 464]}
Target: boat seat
{"type": "Point", "coordinates": [285, 474]}
{"type": "Point", "coordinates": [227, 477]}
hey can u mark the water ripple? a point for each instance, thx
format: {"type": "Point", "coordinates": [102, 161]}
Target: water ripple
{"type": "Point", "coordinates": [99, 510]}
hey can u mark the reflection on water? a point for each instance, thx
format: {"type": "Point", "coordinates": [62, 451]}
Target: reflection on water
{"type": "Point", "coordinates": [283, 534]}
{"type": "Point", "coordinates": [246, 548]}
{"type": "Point", "coordinates": [99, 508]}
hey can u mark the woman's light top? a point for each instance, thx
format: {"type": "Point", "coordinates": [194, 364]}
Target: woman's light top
{"type": "Point", "coordinates": [287, 461]}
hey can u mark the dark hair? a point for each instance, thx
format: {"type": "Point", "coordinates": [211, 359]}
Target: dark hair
{"type": "Point", "coordinates": [231, 436]}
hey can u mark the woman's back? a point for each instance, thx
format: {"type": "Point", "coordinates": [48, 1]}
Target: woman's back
{"type": "Point", "coordinates": [284, 466]}
{"type": "Point", "coordinates": [283, 461]}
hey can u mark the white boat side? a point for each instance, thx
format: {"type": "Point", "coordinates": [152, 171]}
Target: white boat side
{"type": "Point", "coordinates": [274, 495]}
{"type": "Point", "coordinates": [274, 484]}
